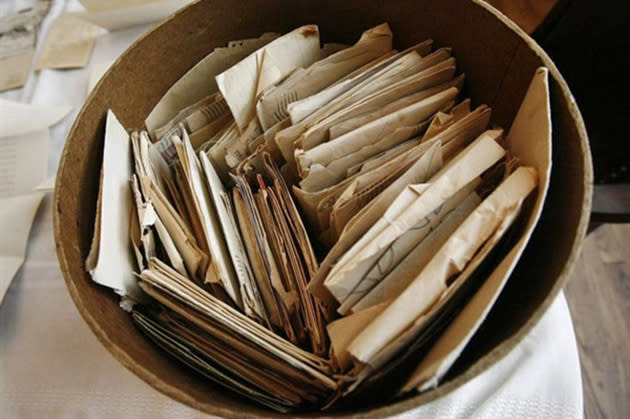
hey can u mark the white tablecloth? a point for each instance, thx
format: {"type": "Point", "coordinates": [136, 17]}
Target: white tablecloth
{"type": "Point", "coordinates": [51, 365]}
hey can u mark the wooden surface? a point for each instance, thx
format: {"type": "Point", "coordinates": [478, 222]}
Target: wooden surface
{"type": "Point", "coordinates": [599, 299]}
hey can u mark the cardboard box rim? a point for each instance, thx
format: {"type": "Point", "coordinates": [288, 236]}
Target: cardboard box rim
{"type": "Point", "coordinates": [80, 153]}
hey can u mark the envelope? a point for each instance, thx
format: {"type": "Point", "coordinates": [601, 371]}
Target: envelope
{"type": "Point", "coordinates": [280, 231]}
{"type": "Point", "coordinates": [532, 121]}
{"type": "Point", "coordinates": [456, 136]}
{"type": "Point", "coordinates": [441, 74]}
{"type": "Point", "coordinates": [220, 270]}
{"type": "Point", "coordinates": [271, 106]}
{"type": "Point", "coordinates": [372, 77]}
{"type": "Point", "coordinates": [212, 315]}
{"type": "Point", "coordinates": [240, 83]}
{"type": "Point", "coordinates": [199, 81]}
{"type": "Point", "coordinates": [200, 358]}
{"type": "Point", "coordinates": [361, 138]}
{"type": "Point", "coordinates": [411, 206]}
{"type": "Point", "coordinates": [452, 258]}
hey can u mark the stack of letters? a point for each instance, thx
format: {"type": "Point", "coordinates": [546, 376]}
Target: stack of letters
{"type": "Point", "coordinates": [307, 224]}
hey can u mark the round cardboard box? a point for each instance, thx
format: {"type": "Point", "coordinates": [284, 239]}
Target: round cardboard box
{"type": "Point", "coordinates": [499, 61]}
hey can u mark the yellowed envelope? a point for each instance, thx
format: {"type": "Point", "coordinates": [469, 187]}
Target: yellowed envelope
{"type": "Point", "coordinates": [69, 43]}
{"type": "Point", "coordinates": [530, 139]}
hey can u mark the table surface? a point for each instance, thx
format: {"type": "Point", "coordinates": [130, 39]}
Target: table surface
{"type": "Point", "coordinates": [51, 365]}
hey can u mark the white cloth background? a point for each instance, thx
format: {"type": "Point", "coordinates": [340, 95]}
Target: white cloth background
{"type": "Point", "coordinates": [51, 365]}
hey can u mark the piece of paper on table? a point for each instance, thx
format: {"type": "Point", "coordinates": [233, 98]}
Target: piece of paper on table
{"type": "Point", "coordinates": [23, 160]}
{"type": "Point", "coordinates": [69, 43]}
{"type": "Point", "coordinates": [115, 18]}
{"type": "Point", "coordinates": [21, 118]}
{"type": "Point", "coordinates": [16, 217]}
{"type": "Point", "coordinates": [14, 17]}
{"type": "Point", "coordinates": [14, 69]}
{"type": "Point", "coordinates": [114, 264]}
{"type": "Point", "coordinates": [24, 145]}
{"type": "Point", "coordinates": [18, 35]}
{"type": "Point", "coordinates": [530, 141]}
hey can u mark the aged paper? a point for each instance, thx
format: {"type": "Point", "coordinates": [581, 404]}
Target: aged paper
{"type": "Point", "coordinates": [220, 264]}
{"type": "Point", "coordinates": [272, 105]}
{"type": "Point", "coordinates": [239, 84]}
{"type": "Point", "coordinates": [379, 74]}
{"type": "Point", "coordinates": [530, 140]}
{"type": "Point", "coordinates": [356, 122]}
{"type": "Point", "coordinates": [375, 74]}
{"type": "Point", "coordinates": [252, 299]}
{"type": "Point", "coordinates": [18, 35]}
{"type": "Point", "coordinates": [455, 137]}
{"type": "Point", "coordinates": [450, 259]}
{"type": "Point", "coordinates": [365, 140]}
{"type": "Point", "coordinates": [331, 207]}
{"type": "Point", "coordinates": [193, 258]}
{"type": "Point", "coordinates": [360, 224]}
{"type": "Point", "coordinates": [318, 207]}
{"type": "Point", "coordinates": [360, 192]}
{"type": "Point", "coordinates": [263, 265]}
{"type": "Point", "coordinates": [199, 81]}
{"type": "Point", "coordinates": [283, 241]}
{"type": "Point", "coordinates": [216, 361]}
{"type": "Point", "coordinates": [23, 161]}
{"type": "Point", "coordinates": [342, 331]}
{"type": "Point", "coordinates": [401, 247]}
{"type": "Point", "coordinates": [398, 278]}
{"type": "Point", "coordinates": [409, 209]}
{"type": "Point", "coordinates": [14, 69]}
{"type": "Point", "coordinates": [165, 279]}
{"type": "Point", "coordinates": [435, 75]}
{"type": "Point", "coordinates": [114, 264]}
{"type": "Point", "coordinates": [437, 315]}
{"type": "Point", "coordinates": [195, 116]}
{"type": "Point", "coordinates": [69, 43]}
